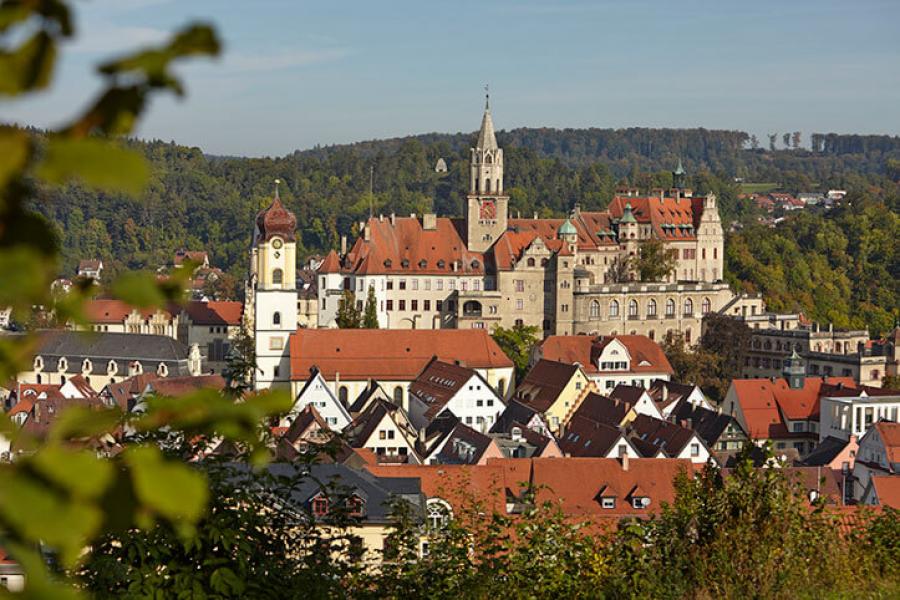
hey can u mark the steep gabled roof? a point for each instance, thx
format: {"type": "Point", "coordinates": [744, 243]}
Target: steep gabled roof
{"type": "Point", "coordinates": [214, 312]}
{"type": "Point", "coordinates": [709, 424]}
{"type": "Point", "coordinates": [438, 383]}
{"type": "Point", "coordinates": [465, 446]}
{"type": "Point", "coordinates": [646, 355]}
{"type": "Point", "coordinates": [889, 433]}
{"type": "Point", "coordinates": [587, 438]}
{"type": "Point", "coordinates": [887, 490]}
{"type": "Point", "coordinates": [651, 436]}
{"type": "Point", "coordinates": [601, 409]}
{"type": "Point", "coordinates": [515, 412]}
{"type": "Point", "coordinates": [544, 383]}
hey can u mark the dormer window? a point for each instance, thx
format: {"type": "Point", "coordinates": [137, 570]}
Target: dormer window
{"type": "Point", "coordinates": [607, 502]}
{"type": "Point", "coordinates": [423, 263]}
{"type": "Point", "coordinates": [387, 263]}
{"type": "Point", "coordinates": [86, 366]}
{"type": "Point", "coordinates": [356, 506]}
{"type": "Point", "coordinates": [320, 505]}
{"type": "Point", "coordinates": [640, 502]}
{"type": "Point", "coordinates": [111, 367]}
{"type": "Point", "coordinates": [162, 370]}
{"type": "Point", "coordinates": [63, 364]}
{"type": "Point", "coordinates": [441, 263]}
{"type": "Point", "coordinates": [38, 363]}
{"type": "Point", "coordinates": [404, 263]}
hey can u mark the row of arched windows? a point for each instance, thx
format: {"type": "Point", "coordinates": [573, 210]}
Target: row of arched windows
{"type": "Point", "coordinates": [634, 309]}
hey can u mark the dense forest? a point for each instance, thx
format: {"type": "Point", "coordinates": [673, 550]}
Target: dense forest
{"type": "Point", "coordinates": [848, 256]}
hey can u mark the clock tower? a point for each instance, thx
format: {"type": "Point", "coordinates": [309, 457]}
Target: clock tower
{"type": "Point", "coordinates": [274, 286]}
{"type": "Point", "coordinates": [488, 206]}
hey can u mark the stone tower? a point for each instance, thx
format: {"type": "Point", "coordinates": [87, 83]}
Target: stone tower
{"type": "Point", "coordinates": [274, 287]}
{"type": "Point", "coordinates": [794, 371]}
{"type": "Point", "coordinates": [488, 206]}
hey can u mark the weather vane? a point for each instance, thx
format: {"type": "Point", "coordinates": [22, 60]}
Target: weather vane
{"type": "Point", "coordinates": [487, 96]}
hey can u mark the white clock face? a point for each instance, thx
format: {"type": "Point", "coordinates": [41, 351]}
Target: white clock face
{"type": "Point", "coordinates": [276, 243]}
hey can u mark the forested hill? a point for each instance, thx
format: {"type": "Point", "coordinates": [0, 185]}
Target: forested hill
{"type": "Point", "coordinates": [197, 201]}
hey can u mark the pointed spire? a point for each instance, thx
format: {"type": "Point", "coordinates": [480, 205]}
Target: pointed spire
{"type": "Point", "coordinates": [679, 170]}
{"type": "Point", "coordinates": [486, 138]}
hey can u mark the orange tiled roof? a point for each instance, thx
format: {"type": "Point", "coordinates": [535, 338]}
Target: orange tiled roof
{"type": "Point", "coordinates": [677, 213]}
{"type": "Point", "coordinates": [584, 349]}
{"type": "Point", "coordinates": [887, 488]}
{"type": "Point", "coordinates": [765, 403]}
{"type": "Point", "coordinates": [215, 312]}
{"type": "Point", "coordinates": [106, 310]}
{"type": "Point", "coordinates": [389, 354]}
{"type": "Point", "coordinates": [890, 437]}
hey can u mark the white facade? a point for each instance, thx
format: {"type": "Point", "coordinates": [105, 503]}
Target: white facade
{"type": "Point", "coordinates": [846, 416]}
{"type": "Point", "coordinates": [614, 367]}
{"type": "Point", "coordinates": [476, 404]}
{"type": "Point", "coordinates": [318, 394]}
{"type": "Point", "coordinates": [388, 439]}
{"type": "Point", "coordinates": [872, 460]}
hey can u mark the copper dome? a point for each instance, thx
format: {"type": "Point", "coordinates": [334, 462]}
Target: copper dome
{"type": "Point", "coordinates": [276, 220]}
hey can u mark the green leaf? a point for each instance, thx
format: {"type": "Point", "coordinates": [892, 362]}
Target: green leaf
{"type": "Point", "coordinates": [95, 162]}
{"type": "Point", "coordinates": [79, 471]}
{"type": "Point", "coordinates": [139, 289]}
{"type": "Point", "coordinates": [80, 422]}
{"type": "Point", "coordinates": [38, 513]}
{"type": "Point", "coordinates": [168, 488]}
{"type": "Point", "coordinates": [29, 67]}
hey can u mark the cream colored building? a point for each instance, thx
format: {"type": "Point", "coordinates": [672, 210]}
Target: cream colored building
{"type": "Point", "coordinates": [489, 269]}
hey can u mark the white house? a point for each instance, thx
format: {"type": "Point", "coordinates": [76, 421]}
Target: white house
{"type": "Point", "coordinates": [384, 429]}
{"type": "Point", "coordinates": [854, 413]}
{"type": "Point", "coordinates": [445, 386]}
{"type": "Point", "coordinates": [878, 455]}
{"type": "Point", "coordinates": [609, 360]}
{"type": "Point", "coordinates": [639, 398]}
{"type": "Point", "coordinates": [318, 394]}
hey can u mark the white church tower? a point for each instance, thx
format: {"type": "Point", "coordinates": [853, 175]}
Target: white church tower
{"type": "Point", "coordinates": [274, 285]}
{"type": "Point", "coordinates": [487, 204]}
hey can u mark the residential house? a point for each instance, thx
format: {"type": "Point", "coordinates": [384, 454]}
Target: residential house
{"type": "Point", "coordinates": [838, 455]}
{"type": "Point", "coordinates": [668, 394]}
{"type": "Point", "coordinates": [462, 391]}
{"type": "Point", "coordinates": [587, 438]}
{"type": "Point", "coordinates": [522, 442]}
{"type": "Point", "coordinates": [638, 397]}
{"type": "Point", "coordinates": [384, 429]}
{"type": "Point", "coordinates": [609, 360]}
{"type": "Point", "coordinates": [353, 357]}
{"type": "Point", "coordinates": [848, 411]}
{"type": "Point", "coordinates": [90, 268]}
{"type": "Point", "coordinates": [307, 432]}
{"type": "Point", "coordinates": [884, 491]}
{"type": "Point", "coordinates": [655, 438]}
{"type": "Point", "coordinates": [783, 411]}
{"type": "Point", "coordinates": [719, 431]}
{"type": "Point", "coordinates": [517, 414]}
{"type": "Point", "coordinates": [553, 389]}
{"type": "Point", "coordinates": [317, 393]}
{"type": "Point", "coordinates": [462, 445]}
{"type": "Point", "coordinates": [878, 455]}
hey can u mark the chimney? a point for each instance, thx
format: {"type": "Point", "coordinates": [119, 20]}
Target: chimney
{"type": "Point", "coordinates": [337, 382]}
{"type": "Point", "coordinates": [535, 216]}
{"type": "Point", "coordinates": [577, 208]}
{"type": "Point", "coordinates": [393, 219]}
{"type": "Point", "coordinates": [429, 221]}
{"type": "Point", "coordinates": [367, 232]}
{"type": "Point", "coordinates": [343, 245]}
{"type": "Point", "coordinates": [422, 435]}
{"type": "Point", "coordinates": [665, 392]}
{"type": "Point", "coordinates": [625, 461]}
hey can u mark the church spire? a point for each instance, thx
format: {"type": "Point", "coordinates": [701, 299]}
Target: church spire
{"type": "Point", "coordinates": [486, 138]}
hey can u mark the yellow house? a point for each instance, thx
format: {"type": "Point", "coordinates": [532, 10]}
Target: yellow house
{"type": "Point", "coordinates": [555, 390]}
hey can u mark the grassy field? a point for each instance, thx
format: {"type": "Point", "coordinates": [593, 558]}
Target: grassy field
{"type": "Point", "coordinates": [758, 188]}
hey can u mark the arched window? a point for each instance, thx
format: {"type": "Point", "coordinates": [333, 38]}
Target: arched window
{"type": "Point", "coordinates": [670, 307]}
{"type": "Point", "coordinates": [651, 334]}
{"type": "Point", "coordinates": [651, 308]}
{"type": "Point", "coordinates": [488, 159]}
{"type": "Point", "coordinates": [277, 276]}
{"type": "Point", "coordinates": [162, 370]}
{"type": "Point", "coordinates": [438, 513]}
{"type": "Point", "coordinates": [501, 388]}
{"type": "Point", "coordinates": [497, 186]}
{"type": "Point", "coordinates": [595, 309]}
{"type": "Point", "coordinates": [633, 308]}
{"type": "Point", "coordinates": [614, 308]}
{"type": "Point", "coordinates": [342, 395]}
{"type": "Point", "coordinates": [86, 366]}
{"type": "Point", "coordinates": [276, 319]}
{"type": "Point", "coordinates": [688, 306]}
{"type": "Point", "coordinates": [687, 335]}
{"type": "Point", "coordinates": [703, 254]}
{"type": "Point", "coordinates": [62, 365]}
{"type": "Point", "coordinates": [530, 262]}
{"type": "Point", "coordinates": [487, 185]}
{"type": "Point", "coordinates": [398, 395]}
{"type": "Point", "coordinates": [705, 306]}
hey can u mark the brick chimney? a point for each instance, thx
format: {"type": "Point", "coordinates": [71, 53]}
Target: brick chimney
{"type": "Point", "coordinates": [625, 461]}
{"type": "Point", "coordinates": [429, 221]}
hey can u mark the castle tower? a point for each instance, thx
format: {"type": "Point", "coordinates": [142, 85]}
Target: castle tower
{"type": "Point", "coordinates": [794, 371]}
{"type": "Point", "coordinates": [273, 277]}
{"type": "Point", "coordinates": [488, 207]}
{"type": "Point", "coordinates": [678, 176]}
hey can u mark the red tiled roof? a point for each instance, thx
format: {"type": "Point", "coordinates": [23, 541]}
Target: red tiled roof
{"type": "Point", "coordinates": [890, 436]}
{"type": "Point", "coordinates": [584, 349]}
{"type": "Point", "coordinates": [887, 489]}
{"type": "Point", "coordinates": [276, 220]}
{"type": "Point", "coordinates": [389, 354]}
{"type": "Point", "coordinates": [331, 264]}
{"type": "Point", "coordinates": [460, 485]}
{"type": "Point", "coordinates": [179, 386]}
{"type": "Point", "coordinates": [657, 212]}
{"type": "Point", "coordinates": [763, 403]}
{"type": "Point", "coordinates": [105, 310]}
{"type": "Point", "coordinates": [215, 312]}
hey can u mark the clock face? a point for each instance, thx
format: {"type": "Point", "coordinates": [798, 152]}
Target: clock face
{"type": "Point", "coordinates": [276, 243]}
{"type": "Point", "coordinates": [488, 209]}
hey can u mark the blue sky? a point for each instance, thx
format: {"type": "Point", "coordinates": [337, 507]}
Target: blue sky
{"type": "Point", "coordinates": [296, 73]}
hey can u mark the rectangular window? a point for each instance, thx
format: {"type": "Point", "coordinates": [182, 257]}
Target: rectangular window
{"type": "Point", "coordinates": [390, 305]}
{"type": "Point", "coordinates": [439, 284]}
{"type": "Point", "coordinates": [402, 284]}
{"type": "Point", "coordinates": [520, 304]}
{"type": "Point", "coordinates": [402, 304]}
{"type": "Point", "coordinates": [439, 305]}
{"type": "Point", "coordinates": [415, 304]}
{"type": "Point", "coordinates": [520, 285]}
{"type": "Point", "coordinates": [479, 403]}
{"type": "Point", "coordinates": [451, 284]}
{"type": "Point", "coordinates": [390, 284]}
{"type": "Point", "coordinates": [427, 283]}
{"type": "Point", "coordinates": [390, 434]}
{"type": "Point", "coordinates": [382, 435]}
{"type": "Point", "coordinates": [695, 449]}
{"type": "Point", "coordinates": [359, 285]}
{"type": "Point", "coordinates": [426, 305]}
{"type": "Point", "coordinates": [608, 502]}
{"type": "Point", "coordinates": [476, 285]}
{"type": "Point", "coordinates": [415, 284]}
{"type": "Point", "coordinates": [276, 343]}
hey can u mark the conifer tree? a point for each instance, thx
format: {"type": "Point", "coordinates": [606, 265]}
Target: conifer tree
{"type": "Point", "coordinates": [370, 315]}
{"type": "Point", "coordinates": [348, 316]}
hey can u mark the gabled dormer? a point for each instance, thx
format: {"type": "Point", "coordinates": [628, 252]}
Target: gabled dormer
{"type": "Point", "coordinates": [611, 354]}
{"type": "Point", "coordinates": [607, 496]}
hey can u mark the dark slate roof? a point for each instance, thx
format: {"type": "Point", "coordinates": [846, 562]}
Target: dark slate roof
{"type": "Point", "coordinates": [464, 446]}
{"type": "Point", "coordinates": [709, 424]}
{"type": "Point", "coordinates": [438, 383]}
{"type": "Point", "coordinates": [101, 347]}
{"type": "Point", "coordinates": [544, 383]}
{"type": "Point", "coordinates": [308, 481]}
{"type": "Point", "coordinates": [515, 412]}
{"type": "Point", "coordinates": [665, 392]}
{"type": "Point", "coordinates": [603, 410]}
{"type": "Point", "coordinates": [584, 437]}
{"type": "Point", "coordinates": [362, 401]}
{"type": "Point", "coordinates": [825, 452]}
{"type": "Point", "coordinates": [651, 435]}
{"type": "Point", "coordinates": [363, 426]}
{"type": "Point", "coordinates": [627, 393]}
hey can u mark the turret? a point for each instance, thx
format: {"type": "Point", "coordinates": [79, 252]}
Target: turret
{"type": "Point", "coordinates": [486, 213]}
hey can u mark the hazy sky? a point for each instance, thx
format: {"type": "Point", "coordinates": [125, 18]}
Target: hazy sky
{"type": "Point", "coordinates": [296, 73]}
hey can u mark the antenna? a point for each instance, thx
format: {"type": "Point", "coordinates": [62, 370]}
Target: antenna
{"type": "Point", "coordinates": [371, 190]}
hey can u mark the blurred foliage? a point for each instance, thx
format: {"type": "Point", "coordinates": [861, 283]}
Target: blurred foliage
{"type": "Point", "coordinates": [517, 342]}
